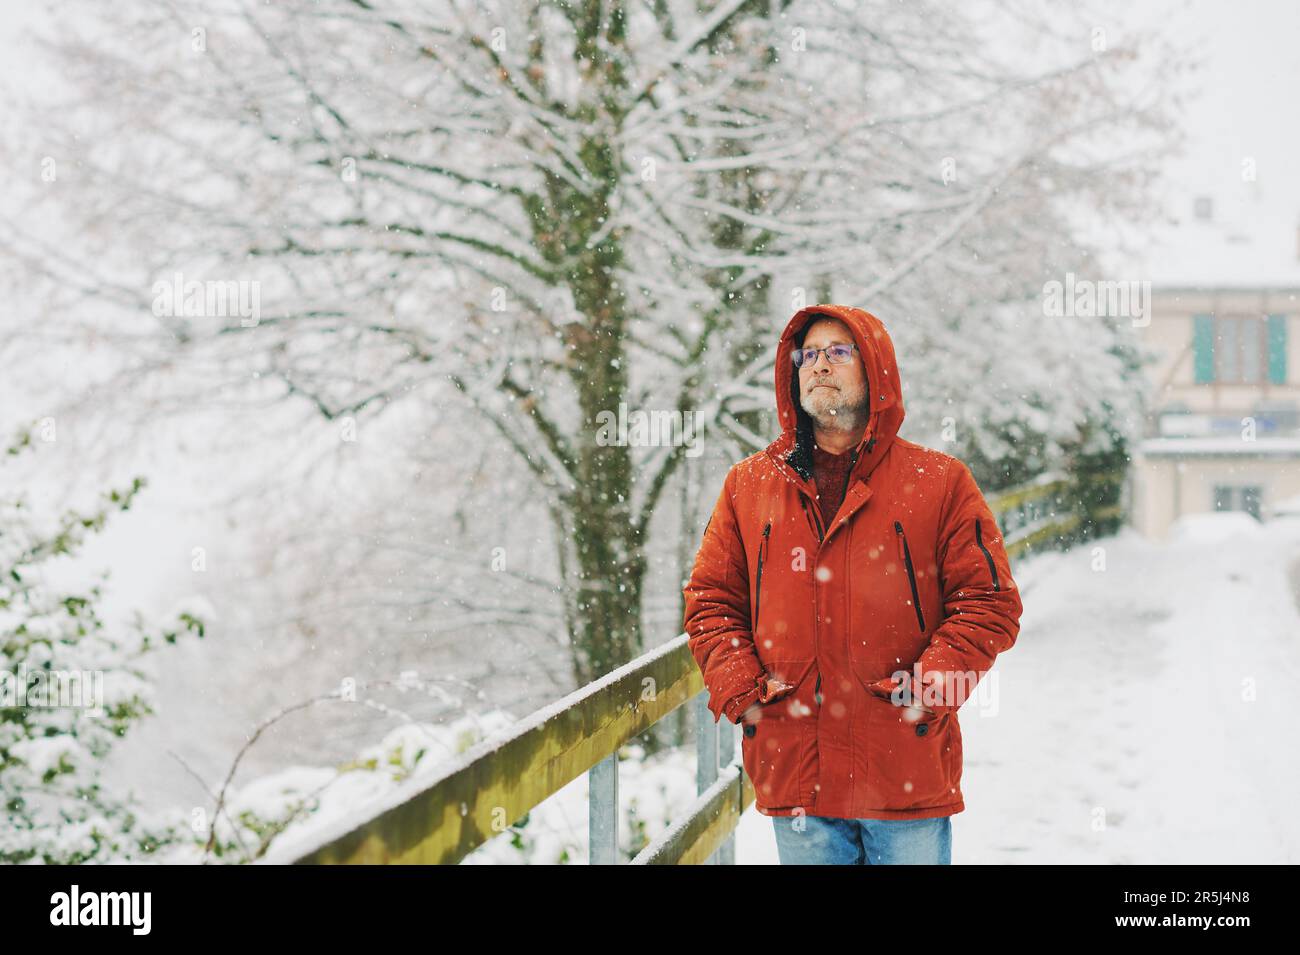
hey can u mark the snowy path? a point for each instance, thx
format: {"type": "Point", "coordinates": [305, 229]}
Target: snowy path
{"type": "Point", "coordinates": [1145, 714]}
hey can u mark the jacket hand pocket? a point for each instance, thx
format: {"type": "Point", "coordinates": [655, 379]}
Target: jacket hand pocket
{"type": "Point", "coordinates": [779, 745]}
{"type": "Point", "coordinates": [900, 691]}
{"type": "Point", "coordinates": [910, 756]}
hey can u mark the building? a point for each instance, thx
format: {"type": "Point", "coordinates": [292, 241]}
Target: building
{"type": "Point", "coordinates": [1223, 427]}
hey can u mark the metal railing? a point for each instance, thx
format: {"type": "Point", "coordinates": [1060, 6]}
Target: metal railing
{"type": "Point", "coordinates": [500, 780]}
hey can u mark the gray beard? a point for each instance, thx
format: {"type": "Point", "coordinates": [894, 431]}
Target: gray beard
{"type": "Point", "coordinates": [842, 419]}
{"type": "Point", "coordinates": [845, 421]}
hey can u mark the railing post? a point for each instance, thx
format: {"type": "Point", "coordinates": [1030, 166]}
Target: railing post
{"type": "Point", "coordinates": [726, 742]}
{"type": "Point", "coordinates": [706, 745]}
{"type": "Point", "coordinates": [602, 811]}
{"type": "Point", "coordinates": [726, 854]}
{"type": "Point", "coordinates": [715, 745]}
{"type": "Point", "coordinates": [706, 751]}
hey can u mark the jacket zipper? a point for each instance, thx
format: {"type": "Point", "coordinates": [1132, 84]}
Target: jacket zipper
{"type": "Point", "coordinates": [814, 519]}
{"type": "Point", "coordinates": [845, 491]}
{"type": "Point", "coordinates": [979, 539]}
{"type": "Point", "coordinates": [816, 507]}
{"type": "Point", "coordinates": [758, 595]}
{"type": "Point", "coordinates": [821, 536]}
{"type": "Point", "coordinates": [905, 552]}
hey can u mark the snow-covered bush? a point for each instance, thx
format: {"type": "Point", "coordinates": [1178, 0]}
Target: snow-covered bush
{"type": "Point", "coordinates": [70, 687]}
{"type": "Point", "coordinates": [299, 802]}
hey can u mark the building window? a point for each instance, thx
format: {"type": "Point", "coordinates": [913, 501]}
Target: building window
{"type": "Point", "coordinates": [1239, 349]}
{"type": "Point", "coordinates": [1238, 497]}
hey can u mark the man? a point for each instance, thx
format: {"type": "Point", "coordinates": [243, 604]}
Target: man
{"type": "Point", "coordinates": [850, 591]}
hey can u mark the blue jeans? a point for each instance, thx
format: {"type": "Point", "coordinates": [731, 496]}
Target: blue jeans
{"type": "Point", "coordinates": [821, 840]}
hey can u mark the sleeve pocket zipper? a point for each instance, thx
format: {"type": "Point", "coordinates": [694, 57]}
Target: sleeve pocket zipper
{"type": "Point", "coordinates": [993, 570]}
{"type": "Point", "coordinates": [906, 554]}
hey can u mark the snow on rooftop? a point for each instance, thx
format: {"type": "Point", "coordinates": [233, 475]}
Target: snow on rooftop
{"type": "Point", "coordinates": [1245, 240]}
{"type": "Point", "coordinates": [1222, 444]}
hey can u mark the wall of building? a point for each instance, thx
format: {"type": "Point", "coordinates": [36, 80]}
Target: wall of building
{"type": "Point", "coordinates": [1162, 488]}
{"type": "Point", "coordinates": [1165, 488]}
{"type": "Point", "coordinates": [1172, 380]}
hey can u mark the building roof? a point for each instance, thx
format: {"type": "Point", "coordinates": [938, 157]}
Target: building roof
{"type": "Point", "coordinates": [1224, 445]}
{"type": "Point", "coordinates": [1244, 242]}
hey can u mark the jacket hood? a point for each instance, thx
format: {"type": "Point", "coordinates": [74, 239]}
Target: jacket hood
{"type": "Point", "coordinates": [884, 390]}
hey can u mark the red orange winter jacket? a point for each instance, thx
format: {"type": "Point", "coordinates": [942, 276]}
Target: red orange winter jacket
{"type": "Point", "coordinates": [911, 571]}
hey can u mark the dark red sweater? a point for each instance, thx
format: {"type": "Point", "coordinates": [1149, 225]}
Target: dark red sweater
{"type": "Point", "coordinates": [829, 474]}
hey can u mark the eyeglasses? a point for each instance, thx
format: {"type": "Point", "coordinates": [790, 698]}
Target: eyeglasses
{"type": "Point", "coordinates": [835, 354]}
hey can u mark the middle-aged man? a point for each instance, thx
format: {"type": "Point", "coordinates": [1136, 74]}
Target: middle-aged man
{"type": "Point", "coordinates": [850, 591]}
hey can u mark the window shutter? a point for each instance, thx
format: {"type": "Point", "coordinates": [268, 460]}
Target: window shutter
{"type": "Point", "coordinates": [1203, 348]}
{"type": "Point", "coordinates": [1277, 349]}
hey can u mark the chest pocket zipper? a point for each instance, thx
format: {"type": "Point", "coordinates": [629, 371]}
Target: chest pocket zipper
{"type": "Point", "coordinates": [993, 570]}
{"type": "Point", "coordinates": [906, 554]}
{"type": "Point", "coordinates": [758, 586]}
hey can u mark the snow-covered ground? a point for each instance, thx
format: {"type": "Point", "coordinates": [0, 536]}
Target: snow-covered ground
{"type": "Point", "coordinates": [1146, 710]}
{"type": "Point", "coordinates": [1143, 716]}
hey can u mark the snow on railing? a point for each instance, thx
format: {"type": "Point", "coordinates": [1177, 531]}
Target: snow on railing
{"type": "Point", "coordinates": [498, 781]}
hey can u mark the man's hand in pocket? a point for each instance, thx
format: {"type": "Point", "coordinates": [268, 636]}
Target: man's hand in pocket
{"type": "Point", "coordinates": [769, 691]}
{"type": "Point", "coordinates": [910, 691]}
{"type": "Point", "coordinates": [772, 690]}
